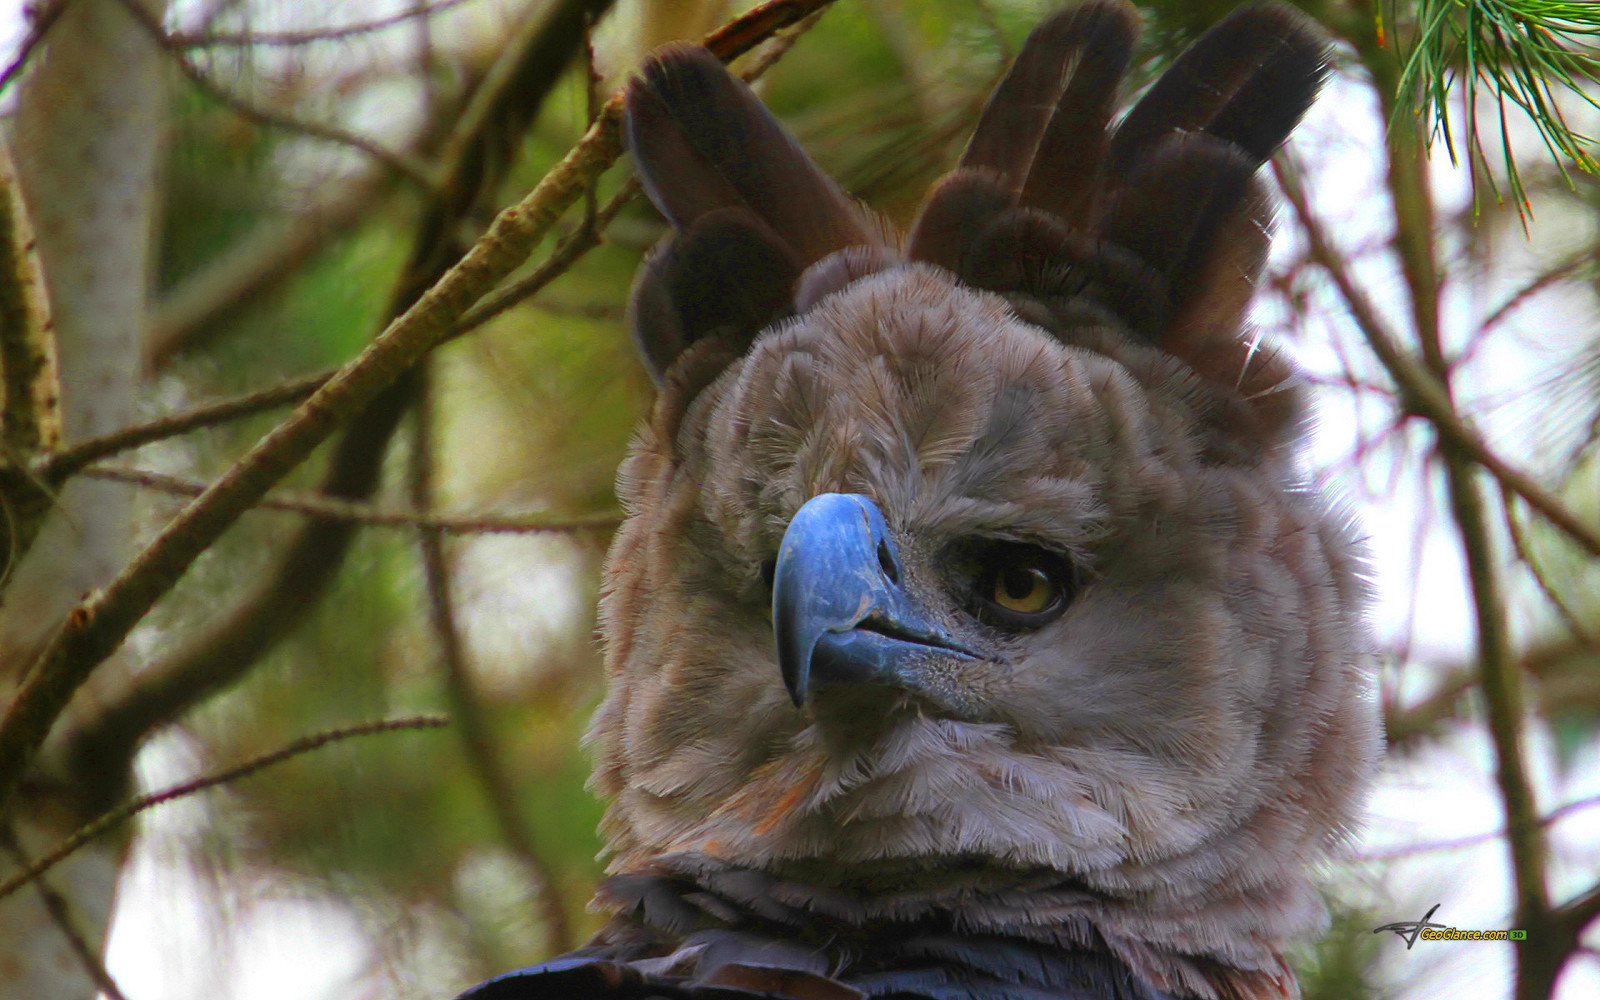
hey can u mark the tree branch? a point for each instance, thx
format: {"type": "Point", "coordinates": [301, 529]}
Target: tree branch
{"type": "Point", "coordinates": [1425, 389]}
{"type": "Point", "coordinates": [206, 39]}
{"type": "Point", "coordinates": [60, 912]}
{"type": "Point", "coordinates": [1420, 391]}
{"type": "Point", "coordinates": [101, 622]}
{"type": "Point", "coordinates": [1581, 912]}
{"type": "Point", "coordinates": [54, 469]}
{"type": "Point", "coordinates": [30, 421]}
{"type": "Point", "coordinates": [30, 391]}
{"type": "Point", "coordinates": [43, 18]}
{"type": "Point", "coordinates": [566, 253]}
{"type": "Point", "coordinates": [1548, 820]}
{"type": "Point", "coordinates": [402, 165]}
{"type": "Point", "coordinates": [1562, 680]}
{"type": "Point", "coordinates": [477, 155]}
{"type": "Point", "coordinates": [1519, 541]}
{"type": "Point", "coordinates": [366, 514]}
{"type": "Point", "coordinates": [121, 814]}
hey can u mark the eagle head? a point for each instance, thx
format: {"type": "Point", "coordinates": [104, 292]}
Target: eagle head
{"type": "Point", "coordinates": [972, 572]}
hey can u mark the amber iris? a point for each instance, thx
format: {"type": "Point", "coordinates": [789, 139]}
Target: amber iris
{"type": "Point", "coordinates": [1027, 590]}
{"type": "Point", "coordinates": [1012, 585]}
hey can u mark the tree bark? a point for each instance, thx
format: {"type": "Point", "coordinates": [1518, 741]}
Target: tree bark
{"type": "Point", "coordinates": [87, 144]}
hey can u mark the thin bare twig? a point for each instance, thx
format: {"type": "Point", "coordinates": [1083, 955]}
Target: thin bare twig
{"type": "Point", "coordinates": [1561, 271]}
{"type": "Point", "coordinates": [1538, 961]}
{"type": "Point", "coordinates": [43, 18]}
{"type": "Point", "coordinates": [1578, 914]}
{"type": "Point", "coordinates": [101, 622]}
{"type": "Point", "coordinates": [1548, 820]}
{"type": "Point", "coordinates": [591, 110]}
{"type": "Point", "coordinates": [1420, 391]}
{"type": "Point", "coordinates": [477, 154]}
{"type": "Point", "coordinates": [60, 912]}
{"type": "Point", "coordinates": [281, 39]}
{"type": "Point", "coordinates": [397, 162]}
{"type": "Point", "coordinates": [477, 737]}
{"type": "Point", "coordinates": [1549, 663]}
{"type": "Point", "coordinates": [581, 240]}
{"type": "Point", "coordinates": [572, 246]}
{"type": "Point", "coordinates": [57, 467]}
{"type": "Point", "coordinates": [121, 814]}
{"type": "Point", "coordinates": [1519, 541]}
{"type": "Point", "coordinates": [579, 310]}
{"type": "Point", "coordinates": [340, 510]}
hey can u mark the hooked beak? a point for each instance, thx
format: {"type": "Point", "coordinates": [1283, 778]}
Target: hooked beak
{"type": "Point", "coordinates": [839, 612]}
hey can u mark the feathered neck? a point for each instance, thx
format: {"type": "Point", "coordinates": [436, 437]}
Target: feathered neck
{"type": "Point", "coordinates": [1036, 934]}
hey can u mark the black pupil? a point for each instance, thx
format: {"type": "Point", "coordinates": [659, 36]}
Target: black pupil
{"type": "Point", "coordinates": [1019, 583]}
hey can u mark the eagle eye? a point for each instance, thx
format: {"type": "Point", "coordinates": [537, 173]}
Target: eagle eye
{"type": "Point", "coordinates": [1027, 590]}
{"type": "Point", "coordinates": [1015, 586]}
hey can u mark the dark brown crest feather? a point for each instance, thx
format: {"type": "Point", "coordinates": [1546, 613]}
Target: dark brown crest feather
{"type": "Point", "coordinates": [1247, 81]}
{"type": "Point", "coordinates": [703, 141]}
{"type": "Point", "coordinates": [652, 316]}
{"type": "Point", "coordinates": [1049, 203]}
{"type": "Point", "coordinates": [1033, 253]}
{"type": "Point", "coordinates": [1067, 158]}
{"type": "Point", "coordinates": [1068, 68]}
{"type": "Point", "coordinates": [749, 207]}
{"type": "Point", "coordinates": [731, 274]}
{"type": "Point", "coordinates": [1154, 196]}
{"type": "Point", "coordinates": [728, 275]}
{"type": "Point", "coordinates": [961, 205]}
{"type": "Point", "coordinates": [1170, 209]}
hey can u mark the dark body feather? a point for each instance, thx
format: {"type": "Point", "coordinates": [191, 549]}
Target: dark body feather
{"type": "Point", "coordinates": [850, 752]}
{"type": "Point", "coordinates": [741, 933]}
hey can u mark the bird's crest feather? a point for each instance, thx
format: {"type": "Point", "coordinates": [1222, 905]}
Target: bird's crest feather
{"type": "Point", "coordinates": [1157, 223]}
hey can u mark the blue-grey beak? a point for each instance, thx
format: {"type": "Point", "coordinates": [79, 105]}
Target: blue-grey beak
{"type": "Point", "coordinates": [839, 612]}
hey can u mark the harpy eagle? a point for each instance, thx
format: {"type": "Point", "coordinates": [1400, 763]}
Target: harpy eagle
{"type": "Point", "coordinates": [974, 632]}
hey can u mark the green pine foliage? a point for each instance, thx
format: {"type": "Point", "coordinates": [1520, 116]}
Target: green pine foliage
{"type": "Point", "coordinates": [1499, 59]}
